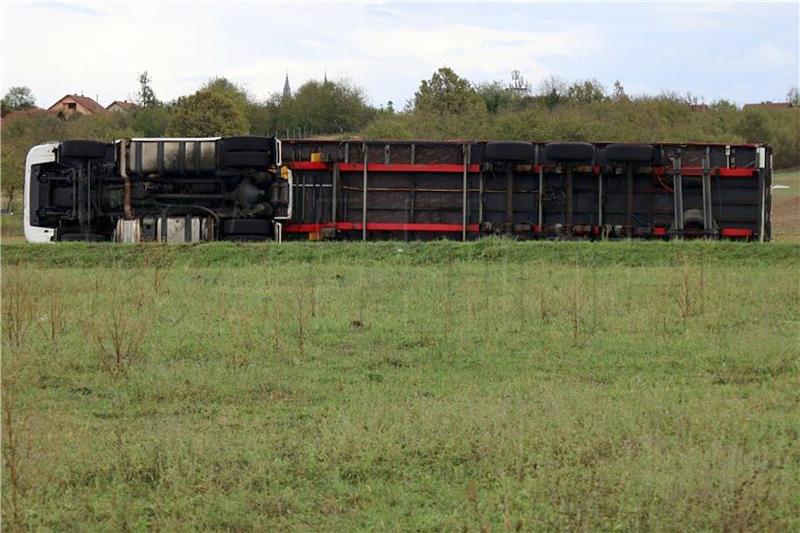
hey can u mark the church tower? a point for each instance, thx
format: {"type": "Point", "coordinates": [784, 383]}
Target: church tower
{"type": "Point", "coordinates": [287, 90]}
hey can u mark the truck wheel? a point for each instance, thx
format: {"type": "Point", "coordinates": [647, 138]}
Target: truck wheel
{"type": "Point", "coordinates": [569, 151]}
{"type": "Point", "coordinates": [82, 149]}
{"type": "Point", "coordinates": [250, 143]}
{"type": "Point", "coordinates": [246, 238]}
{"type": "Point", "coordinates": [246, 229]}
{"type": "Point", "coordinates": [509, 151]}
{"type": "Point", "coordinates": [246, 159]}
{"type": "Point", "coordinates": [629, 153]}
{"type": "Point", "coordinates": [243, 152]}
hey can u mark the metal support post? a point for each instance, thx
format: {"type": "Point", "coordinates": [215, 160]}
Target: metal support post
{"type": "Point", "coordinates": [629, 185]}
{"type": "Point", "coordinates": [464, 204]}
{"type": "Point", "coordinates": [509, 198]}
{"type": "Point", "coordinates": [706, 192]}
{"type": "Point", "coordinates": [364, 199]}
{"type": "Point", "coordinates": [334, 191]}
{"type": "Point", "coordinates": [677, 196]}
{"type": "Point", "coordinates": [480, 198]}
{"type": "Point", "coordinates": [568, 203]}
{"type": "Point", "coordinates": [762, 204]}
{"type": "Point", "coordinates": [541, 197]}
{"type": "Point", "coordinates": [600, 199]}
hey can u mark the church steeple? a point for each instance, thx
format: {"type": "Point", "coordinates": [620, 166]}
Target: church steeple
{"type": "Point", "coordinates": [287, 90]}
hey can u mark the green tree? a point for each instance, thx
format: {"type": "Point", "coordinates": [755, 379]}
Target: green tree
{"type": "Point", "coordinates": [793, 96]}
{"type": "Point", "coordinates": [207, 113]}
{"type": "Point", "coordinates": [552, 91]}
{"type": "Point", "coordinates": [147, 97]}
{"type": "Point", "coordinates": [447, 93]}
{"type": "Point", "coordinates": [390, 126]}
{"type": "Point", "coordinates": [324, 108]}
{"type": "Point", "coordinates": [586, 91]}
{"type": "Point", "coordinates": [448, 106]}
{"type": "Point", "coordinates": [496, 97]}
{"type": "Point", "coordinates": [150, 121]}
{"type": "Point", "coordinates": [225, 87]}
{"type": "Point", "coordinates": [17, 99]}
{"type": "Point", "coordinates": [259, 115]}
{"type": "Point", "coordinates": [753, 126]}
{"type": "Point", "coordinates": [618, 93]}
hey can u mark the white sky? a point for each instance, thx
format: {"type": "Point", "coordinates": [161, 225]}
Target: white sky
{"type": "Point", "coordinates": [739, 51]}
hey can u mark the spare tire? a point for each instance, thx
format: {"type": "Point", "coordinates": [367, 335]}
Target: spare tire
{"type": "Point", "coordinates": [82, 149]}
{"type": "Point", "coordinates": [693, 224]}
{"type": "Point", "coordinates": [630, 153]}
{"type": "Point", "coordinates": [569, 151]}
{"type": "Point", "coordinates": [509, 151]}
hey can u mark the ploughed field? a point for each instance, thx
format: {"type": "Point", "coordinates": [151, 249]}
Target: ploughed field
{"type": "Point", "coordinates": [786, 206]}
{"type": "Point", "coordinates": [496, 385]}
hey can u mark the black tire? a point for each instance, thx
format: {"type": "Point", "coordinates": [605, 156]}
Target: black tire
{"type": "Point", "coordinates": [245, 159]}
{"type": "Point", "coordinates": [509, 151]}
{"type": "Point", "coordinates": [693, 218]}
{"type": "Point", "coordinates": [82, 237]}
{"type": "Point", "coordinates": [245, 226]}
{"type": "Point", "coordinates": [82, 149]}
{"type": "Point", "coordinates": [246, 238]}
{"type": "Point", "coordinates": [630, 153]}
{"type": "Point", "coordinates": [693, 223]}
{"type": "Point", "coordinates": [245, 144]}
{"type": "Point", "coordinates": [569, 151]}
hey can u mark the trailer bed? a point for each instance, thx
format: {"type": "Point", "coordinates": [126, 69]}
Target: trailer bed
{"type": "Point", "coordinates": [423, 190]}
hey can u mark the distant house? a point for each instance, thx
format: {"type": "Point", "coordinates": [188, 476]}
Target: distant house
{"type": "Point", "coordinates": [72, 103]}
{"type": "Point", "coordinates": [769, 105]}
{"type": "Point", "coordinates": [121, 106]}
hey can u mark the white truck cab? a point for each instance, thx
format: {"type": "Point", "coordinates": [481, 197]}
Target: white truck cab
{"type": "Point", "coordinates": [43, 153]}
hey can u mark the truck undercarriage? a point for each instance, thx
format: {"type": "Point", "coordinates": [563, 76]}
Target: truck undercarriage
{"type": "Point", "coordinates": [259, 188]}
{"type": "Point", "coordinates": [175, 190]}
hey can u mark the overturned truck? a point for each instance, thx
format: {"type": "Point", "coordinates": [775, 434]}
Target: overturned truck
{"type": "Point", "coordinates": [260, 188]}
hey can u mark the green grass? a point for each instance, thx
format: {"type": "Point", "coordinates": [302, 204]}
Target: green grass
{"type": "Point", "coordinates": [493, 250]}
{"type": "Point", "coordinates": [11, 229]}
{"type": "Point", "coordinates": [633, 386]}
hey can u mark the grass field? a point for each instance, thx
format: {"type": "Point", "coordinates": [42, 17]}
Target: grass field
{"type": "Point", "coordinates": [403, 386]}
{"type": "Point", "coordinates": [492, 385]}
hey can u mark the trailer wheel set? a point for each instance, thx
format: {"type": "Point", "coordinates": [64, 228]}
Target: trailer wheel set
{"type": "Point", "coordinates": [252, 188]}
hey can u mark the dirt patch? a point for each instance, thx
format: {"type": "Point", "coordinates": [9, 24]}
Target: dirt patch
{"type": "Point", "coordinates": [786, 217]}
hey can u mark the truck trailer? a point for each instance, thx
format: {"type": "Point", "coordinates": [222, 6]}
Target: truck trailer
{"type": "Point", "coordinates": [264, 189]}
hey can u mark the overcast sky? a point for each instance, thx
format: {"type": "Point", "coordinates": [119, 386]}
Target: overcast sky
{"type": "Point", "coordinates": [744, 52]}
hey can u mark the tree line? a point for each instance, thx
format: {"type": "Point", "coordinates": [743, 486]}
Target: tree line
{"type": "Point", "coordinates": [446, 106]}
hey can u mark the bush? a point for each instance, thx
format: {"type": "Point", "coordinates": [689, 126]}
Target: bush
{"type": "Point", "coordinates": [207, 113]}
